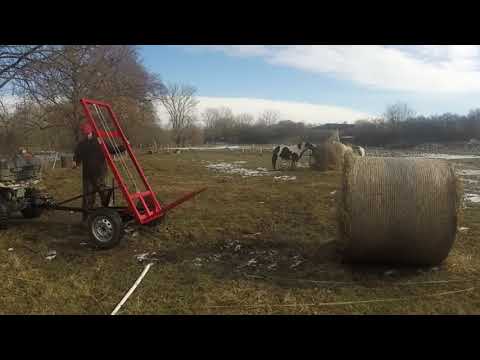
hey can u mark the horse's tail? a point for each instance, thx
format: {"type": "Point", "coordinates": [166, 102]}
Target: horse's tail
{"type": "Point", "coordinates": [275, 156]}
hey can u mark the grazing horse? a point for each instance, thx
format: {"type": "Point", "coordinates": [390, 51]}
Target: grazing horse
{"type": "Point", "coordinates": [292, 153]}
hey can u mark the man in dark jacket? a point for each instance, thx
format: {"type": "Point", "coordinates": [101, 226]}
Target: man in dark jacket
{"type": "Point", "coordinates": [94, 167]}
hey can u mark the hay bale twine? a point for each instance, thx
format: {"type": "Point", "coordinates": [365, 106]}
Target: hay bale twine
{"type": "Point", "coordinates": [66, 161]}
{"type": "Point", "coordinates": [329, 156]}
{"type": "Point", "coordinates": [400, 211]}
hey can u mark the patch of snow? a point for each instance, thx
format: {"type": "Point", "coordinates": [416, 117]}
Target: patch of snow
{"type": "Point", "coordinates": [470, 181]}
{"type": "Point", "coordinates": [449, 156]}
{"type": "Point", "coordinates": [303, 165]}
{"type": "Point", "coordinates": [142, 257]}
{"type": "Point", "coordinates": [51, 255]}
{"type": "Point", "coordinates": [252, 235]}
{"type": "Point", "coordinates": [251, 262]}
{"type": "Point", "coordinates": [285, 178]}
{"type": "Point", "coordinates": [216, 257]}
{"type": "Point", "coordinates": [474, 198]}
{"type": "Point", "coordinates": [295, 264]}
{"type": "Point", "coordinates": [208, 148]}
{"type": "Point", "coordinates": [197, 264]}
{"type": "Point", "coordinates": [390, 272]}
{"type": "Point", "coordinates": [272, 266]}
{"type": "Point", "coordinates": [228, 168]}
{"type": "Point", "coordinates": [469, 172]}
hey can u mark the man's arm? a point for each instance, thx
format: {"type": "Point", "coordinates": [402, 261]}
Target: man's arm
{"type": "Point", "coordinates": [77, 156]}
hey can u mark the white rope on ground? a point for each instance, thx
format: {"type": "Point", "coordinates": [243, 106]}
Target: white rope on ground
{"type": "Point", "coordinates": [132, 289]}
{"type": "Point", "coordinates": [340, 303]}
{"type": "Point", "coordinates": [55, 160]}
{"type": "Point", "coordinates": [359, 284]}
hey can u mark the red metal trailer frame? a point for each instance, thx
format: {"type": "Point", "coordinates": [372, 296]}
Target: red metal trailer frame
{"type": "Point", "coordinates": [153, 208]}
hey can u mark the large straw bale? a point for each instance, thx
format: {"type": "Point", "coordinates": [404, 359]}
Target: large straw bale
{"type": "Point", "coordinates": [329, 156]}
{"type": "Point", "coordinates": [398, 210]}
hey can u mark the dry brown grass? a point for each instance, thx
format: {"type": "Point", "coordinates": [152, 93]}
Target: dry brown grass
{"type": "Point", "coordinates": [204, 252]}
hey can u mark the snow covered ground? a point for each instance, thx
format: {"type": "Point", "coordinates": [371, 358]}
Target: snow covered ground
{"type": "Point", "coordinates": [236, 168]}
{"type": "Point", "coordinates": [449, 156]}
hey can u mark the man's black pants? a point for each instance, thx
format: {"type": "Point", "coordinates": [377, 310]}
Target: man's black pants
{"type": "Point", "coordinates": [91, 186]}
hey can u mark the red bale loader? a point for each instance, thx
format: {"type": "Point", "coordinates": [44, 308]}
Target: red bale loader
{"type": "Point", "coordinates": [106, 224]}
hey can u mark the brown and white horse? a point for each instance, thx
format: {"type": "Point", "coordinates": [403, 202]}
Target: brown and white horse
{"type": "Point", "coordinates": [292, 153]}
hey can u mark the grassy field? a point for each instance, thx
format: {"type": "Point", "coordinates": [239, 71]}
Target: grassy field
{"type": "Point", "coordinates": [248, 245]}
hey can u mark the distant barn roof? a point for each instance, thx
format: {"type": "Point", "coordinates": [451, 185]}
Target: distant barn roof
{"type": "Point", "coordinates": [333, 126]}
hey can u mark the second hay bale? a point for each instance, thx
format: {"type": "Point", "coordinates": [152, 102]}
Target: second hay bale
{"type": "Point", "coordinates": [398, 210]}
{"type": "Point", "coordinates": [329, 156]}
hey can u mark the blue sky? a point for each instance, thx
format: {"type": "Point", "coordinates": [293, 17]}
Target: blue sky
{"type": "Point", "coordinates": [324, 83]}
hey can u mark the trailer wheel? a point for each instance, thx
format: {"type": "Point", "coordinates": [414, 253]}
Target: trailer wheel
{"type": "Point", "coordinates": [105, 228]}
{"type": "Point", "coordinates": [3, 217]}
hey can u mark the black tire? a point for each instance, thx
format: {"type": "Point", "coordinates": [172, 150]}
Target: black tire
{"type": "Point", "coordinates": [32, 211]}
{"type": "Point", "coordinates": [3, 217]}
{"type": "Point", "coordinates": [105, 228]}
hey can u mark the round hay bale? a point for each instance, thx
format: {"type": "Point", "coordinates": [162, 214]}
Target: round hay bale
{"type": "Point", "coordinates": [66, 161]}
{"type": "Point", "coordinates": [329, 156]}
{"type": "Point", "coordinates": [398, 210]}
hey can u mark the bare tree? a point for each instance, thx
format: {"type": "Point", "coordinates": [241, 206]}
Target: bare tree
{"type": "Point", "coordinates": [220, 123]}
{"type": "Point", "coordinates": [109, 73]}
{"type": "Point", "coordinates": [8, 134]}
{"type": "Point", "coordinates": [473, 123]}
{"type": "Point", "coordinates": [180, 103]}
{"type": "Point", "coordinates": [268, 118]}
{"type": "Point", "coordinates": [15, 59]}
{"type": "Point", "coordinates": [397, 113]}
{"type": "Point", "coordinates": [244, 119]}
{"type": "Point", "coordinates": [209, 117]}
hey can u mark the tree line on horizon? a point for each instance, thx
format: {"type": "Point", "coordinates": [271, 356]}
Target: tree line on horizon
{"type": "Point", "coordinates": [49, 81]}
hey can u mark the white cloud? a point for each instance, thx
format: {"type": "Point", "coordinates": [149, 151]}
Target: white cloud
{"type": "Point", "coordinates": [288, 110]}
{"type": "Point", "coordinates": [425, 69]}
